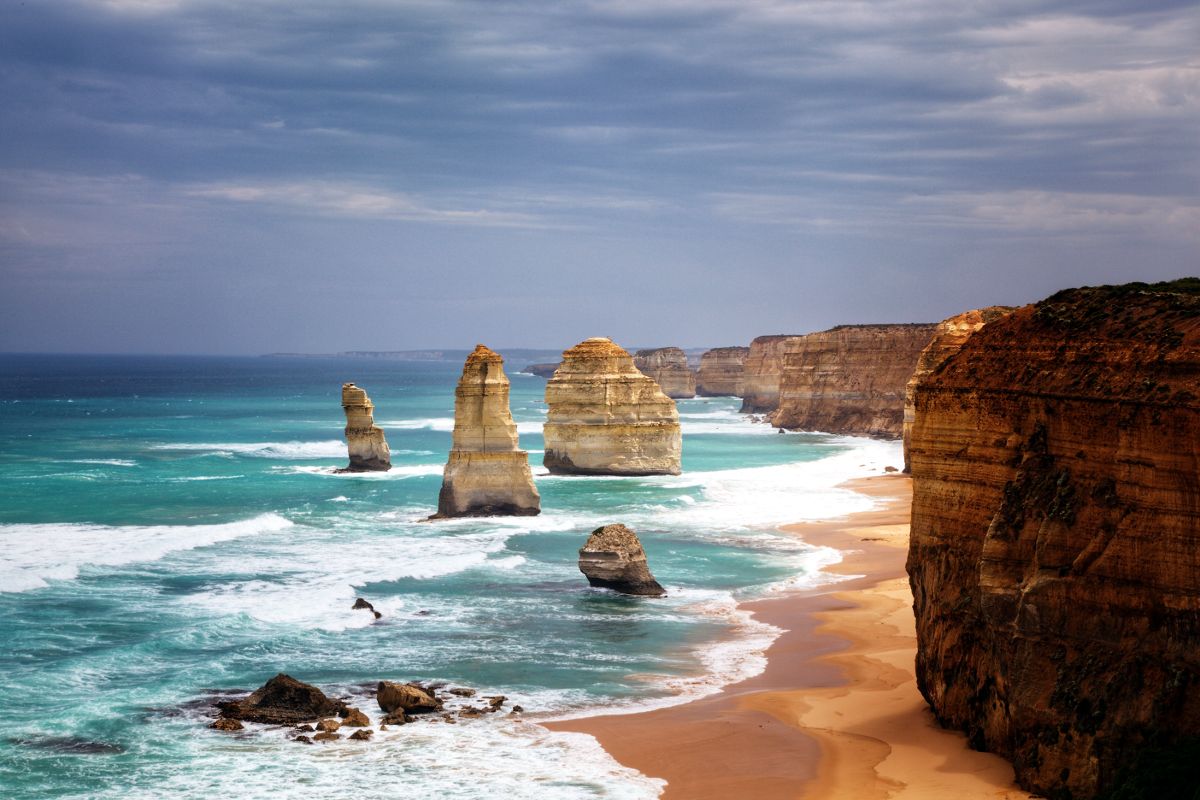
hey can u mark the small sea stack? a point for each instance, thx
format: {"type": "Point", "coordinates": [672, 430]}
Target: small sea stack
{"type": "Point", "coordinates": [607, 418]}
{"type": "Point", "coordinates": [613, 558]}
{"type": "Point", "coordinates": [367, 445]}
{"type": "Point", "coordinates": [668, 367]}
{"type": "Point", "coordinates": [722, 372]}
{"type": "Point", "coordinates": [486, 474]}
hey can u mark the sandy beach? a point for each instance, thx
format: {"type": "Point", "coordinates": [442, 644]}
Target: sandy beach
{"type": "Point", "coordinates": [836, 713]}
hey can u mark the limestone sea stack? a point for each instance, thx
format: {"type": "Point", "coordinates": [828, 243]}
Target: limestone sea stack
{"type": "Point", "coordinates": [607, 418]}
{"type": "Point", "coordinates": [668, 367]}
{"type": "Point", "coordinates": [761, 372]}
{"type": "Point", "coordinates": [722, 372]}
{"type": "Point", "coordinates": [1055, 548]}
{"type": "Point", "coordinates": [542, 370]}
{"type": "Point", "coordinates": [949, 337]}
{"type": "Point", "coordinates": [850, 379]}
{"type": "Point", "coordinates": [366, 443]}
{"type": "Point", "coordinates": [486, 475]}
{"type": "Point", "coordinates": [613, 558]}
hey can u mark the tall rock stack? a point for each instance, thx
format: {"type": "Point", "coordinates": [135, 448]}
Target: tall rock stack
{"type": "Point", "coordinates": [486, 474]}
{"type": "Point", "coordinates": [948, 339]}
{"type": "Point", "coordinates": [722, 372]}
{"type": "Point", "coordinates": [850, 379]}
{"type": "Point", "coordinates": [1055, 548]}
{"type": "Point", "coordinates": [761, 372]}
{"type": "Point", "coordinates": [607, 418]}
{"type": "Point", "coordinates": [365, 441]}
{"type": "Point", "coordinates": [668, 367]}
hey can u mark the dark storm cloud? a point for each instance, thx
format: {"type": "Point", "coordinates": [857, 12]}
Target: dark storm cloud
{"type": "Point", "coordinates": [869, 160]}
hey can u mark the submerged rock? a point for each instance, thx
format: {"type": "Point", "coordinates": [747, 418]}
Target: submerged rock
{"type": "Point", "coordinates": [405, 697]}
{"type": "Point", "coordinates": [226, 724]}
{"type": "Point", "coordinates": [283, 700]}
{"type": "Point", "coordinates": [613, 558]}
{"type": "Point", "coordinates": [486, 474]}
{"type": "Point", "coordinates": [363, 735]}
{"type": "Point", "coordinates": [607, 418]}
{"type": "Point", "coordinates": [360, 604]}
{"type": "Point", "coordinates": [366, 443]}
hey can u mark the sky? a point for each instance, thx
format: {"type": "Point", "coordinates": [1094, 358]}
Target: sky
{"type": "Point", "coordinates": [212, 176]}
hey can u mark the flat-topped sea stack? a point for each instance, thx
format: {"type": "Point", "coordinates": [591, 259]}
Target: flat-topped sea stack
{"type": "Point", "coordinates": [761, 372]}
{"type": "Point", "coordinates": [949, 337]}
{"type": "Point", "coordinates": [668, 367]}
{"type": "Point", "coordinates": [542, 370]}
{"type": "Point", "coordinates": [850, 379]}
{"type": "Point", "coordinates": [367, 445]}
{"type": "Point", "coordinates": [722, 372]}
{"type": "Point", "coordinates": [486, 475]}
{"type": "Point", "coordinates": [607, 418]}
{"type": "Point", "coordinates": [1055, 548]}
{"type": "Point", "coordinates": [613, 558]}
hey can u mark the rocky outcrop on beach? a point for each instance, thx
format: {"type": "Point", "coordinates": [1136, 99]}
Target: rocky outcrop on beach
{"type": "Point", "coordinates": [722, 372]}
{"type": "Point", "coordinates": [613, 558]}
{"type": "Point", "coordinates": [949, 337]}
{"type": "Point", "coordinates": [486, 474]}
{"type": "Point", "coordinates": [1055, 548]}
{"type": "Point", "coordinates": [283, 700]}
{"type": "Point", "coordinates": [761, 372]}
{"type": "Point", "coordinates": [607, 418]}
{"type": "Point", "coordinates": [850, 379]}
{"type": "Point", "coordinates": [542, 370]}
{"type": "Point", "coordinates": [668, 367]}
{"type": "Point", "coordinates": [368, 447]}
{"type": "Point", "coordinates": [406, 698]}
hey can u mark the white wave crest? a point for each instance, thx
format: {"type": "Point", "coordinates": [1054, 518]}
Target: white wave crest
{"type": "Point", "coordinates": [32, 554]}
{"type": "Point", "coordinates": [331, 448]}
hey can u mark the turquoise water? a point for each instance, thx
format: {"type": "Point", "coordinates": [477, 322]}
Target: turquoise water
{"type": "Point", "coordinates": [173, 526]}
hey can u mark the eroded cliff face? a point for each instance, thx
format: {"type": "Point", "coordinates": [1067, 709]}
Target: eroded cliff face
{"type": "Point", "coordinates": [761, 372]}
{"type": "Point", "coordinates": [607, 418]}
{"type": "Point", "coordinates": [850, 379]}
{"type": "Point", "coordinates": [668, 367]}
{"type": "Point", "coordinates": [1055, 549]}
{"type": "Point", "coordinates": [949, 337]}
{"type": "Point", "coordinates": [486, 474]}
{"type": "Point", "coordinates": [367, 446]}
{"type": "Point", "coordinates": [722, 372]}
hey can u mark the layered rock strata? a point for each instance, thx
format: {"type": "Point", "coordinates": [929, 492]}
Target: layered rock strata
{"type": "Point", "coordinates": [607, 418]}
{"type": "Point", "coordinates": [486, 474]}
{"type": "Point", "coordinates": [850, 379]}
{"type": "Point", "coordinates": [722, 372]}
{"type": "Point", "coordinates": [365, 441]}
{"type": "Point", "coordinates": [613, 558]}
{"type": "Point", "coordinates": [668, 367]}
{"type": "Point", "coordinates": [1055, 549]}
{"type": "Point", "coordinates": [949, 337]}
{"type": "Point", "coordinates": [761, 372]}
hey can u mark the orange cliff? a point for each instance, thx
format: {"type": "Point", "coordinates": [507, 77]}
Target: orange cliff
{"type": "Point", "coordinates": [949, 337]}
{"type": "Point", "coordinates": [761, 372]}
{"type": "Point", "coordinates": [1055, 548]}
{"type": "Point", "coordinates": [850, 379]}
{"type": "Point", "coordinates": [668, 367]}
{"type": "Point", "coordinates": [722, 372]}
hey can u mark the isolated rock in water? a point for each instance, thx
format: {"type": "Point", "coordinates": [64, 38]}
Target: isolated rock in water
{"type": "Point", "coordinates": [405, 697]}
{"type": "Point", "coordinates": [225, 724]}
{"type": "Point", "coordinates": [668, 367]}
{"type": "Point", "coordinates": [542, 370]}
{"type": "Point", "coordinates": [722, 372]}
{"type": "Point", "coordinates": [949, 337]}
{"type": "Point", "coordinates": [1054, 557]}
{"type": "Point", "coordinates": [368, 447]}
{"type": "Point", "coordinates": [363, 735]}
{"type": "Point", "coordinates": [850, 379]}
{"type": "Point", "coordinates": [328, 725]}
{"type": "Point", "coordinates": [607, 418]}
{"type": "Point", "coordinates": [486, 475]}
{"type": "Point", "coordinates": [613, 558]}
{"type": "Point", "coordinates": [360, 604]}
{"type": "Point", "coordinates": [283, 700]}
{"type": "Point", "coordinates": [326, 736]}
{"type": "Point", "coordinates": [355, 719]}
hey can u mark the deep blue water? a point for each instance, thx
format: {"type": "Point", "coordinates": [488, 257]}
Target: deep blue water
{"type": "Point", "coordinates": [170, 526]}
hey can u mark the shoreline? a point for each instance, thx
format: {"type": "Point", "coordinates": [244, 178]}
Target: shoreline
{"type": "Point", "coordinates": [836, 712]}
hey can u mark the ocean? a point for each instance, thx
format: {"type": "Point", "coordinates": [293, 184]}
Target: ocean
{"type": "Point", "coordinates": [172, 528]}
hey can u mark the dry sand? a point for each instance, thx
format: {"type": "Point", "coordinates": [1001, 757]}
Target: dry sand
{"type": "Point", "coordinates": [836, 714]}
